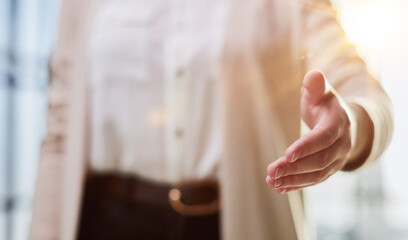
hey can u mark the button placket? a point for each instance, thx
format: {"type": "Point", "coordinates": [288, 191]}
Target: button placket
{"type": "Point", "coordinates": [178, 90]}
{"type": "Point", "coordinates": [176, 104]}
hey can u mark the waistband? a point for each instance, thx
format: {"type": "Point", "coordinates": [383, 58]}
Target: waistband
{"type": "Point", "coordinates": [188, 198]}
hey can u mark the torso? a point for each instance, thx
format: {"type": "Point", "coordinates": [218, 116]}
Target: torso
{"type": "Point", "coordinates": [154, 98]}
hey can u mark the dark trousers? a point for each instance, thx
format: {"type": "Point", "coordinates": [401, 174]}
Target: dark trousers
{"type": "Point", "coordinates": [109, 212]}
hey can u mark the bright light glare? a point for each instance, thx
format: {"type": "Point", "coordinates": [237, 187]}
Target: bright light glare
{"type": "Point", "coordinates": [372, 26]}
{"type": "Point", "coordinates": [379, 30]}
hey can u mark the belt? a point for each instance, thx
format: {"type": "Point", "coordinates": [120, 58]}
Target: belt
{"type": "Point", "coordinates": [187, 198]}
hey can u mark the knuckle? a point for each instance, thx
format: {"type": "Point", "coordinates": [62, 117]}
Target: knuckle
{"type": "Point", "coordinates": [323, 160]}
{"type": "Point", "coordinates": [331, 135]}
{"type": "Point", "coordinates": [317, 176]}
{"type": "Point", "coordinates": [293, 167]}
{"type": "Point", "coordinates": [330, 171]}
{"type": "Point", "coordinates": [270, 169]}
{"type": "Point", "coordinates": [328, 139]}
{"type": "Point", "coordinates": [304, 145]}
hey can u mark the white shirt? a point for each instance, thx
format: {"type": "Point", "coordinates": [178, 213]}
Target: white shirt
{"type": "Point", "coordinates": [154, 101]}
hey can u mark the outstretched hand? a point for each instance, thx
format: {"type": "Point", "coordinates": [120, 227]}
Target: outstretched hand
{"type": "Point", "coordinates": [321, 152]}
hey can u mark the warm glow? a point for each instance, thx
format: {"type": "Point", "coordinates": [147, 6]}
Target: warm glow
{"type": "Point", "coordinates": [370, 23]}
{"type": "Point", "coordinates": [372, 26]}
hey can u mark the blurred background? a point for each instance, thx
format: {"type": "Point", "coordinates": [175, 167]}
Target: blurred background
{"type": "Point", "coordinates": [369, 204]}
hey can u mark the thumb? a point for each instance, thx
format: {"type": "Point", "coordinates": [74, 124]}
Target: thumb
{"type": "Point", "coordinates": [314, 86]}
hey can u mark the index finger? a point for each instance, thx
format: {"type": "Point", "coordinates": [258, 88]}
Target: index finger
{"type": "Point", "coordinates": [318, 139]}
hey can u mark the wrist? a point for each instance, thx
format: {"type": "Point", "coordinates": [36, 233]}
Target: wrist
{"type": "Point", "coordinates": [362, 136]}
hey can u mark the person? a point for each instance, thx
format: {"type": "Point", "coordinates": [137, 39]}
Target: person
{"type": "Point", "coordinates": [166, 116]}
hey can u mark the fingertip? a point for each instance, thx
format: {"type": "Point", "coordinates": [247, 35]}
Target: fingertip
{"type": "Point", "coordinates": [314, 76]}
{"type": "Point", "coordinates": [314, 83]}
{"type": "Point", "coordinates": [317, 72]}
{"type": "Point", "coordinates": [298, 149]}
{"type": "Point", "coordinates": [270, 169]}
{"type": "Point", "coordinates": [269, 181]}
{"type": "Point", "coordinates": [272, 166]}
{"type": "Point", "coordinates": [292, 154]}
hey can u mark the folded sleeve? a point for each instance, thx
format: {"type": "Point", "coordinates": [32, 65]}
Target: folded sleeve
{"type": "Point", "coordinates": [47, 204]}
{"type": "Point", "coordinates": [327, 49]}
{"type": "Point", "coordinates": [47, 196]}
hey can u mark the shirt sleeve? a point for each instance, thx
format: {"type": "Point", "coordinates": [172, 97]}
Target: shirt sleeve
{"type": "Point", "coordinates": [326, 48]}
{"type": "Point", "coordinates": [47, 197]}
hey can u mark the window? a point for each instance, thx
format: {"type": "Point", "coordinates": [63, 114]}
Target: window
{"type": "Point", "coordinates": [27, 33]}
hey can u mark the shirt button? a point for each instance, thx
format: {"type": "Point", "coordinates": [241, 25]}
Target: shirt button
{"type": "Point", "coordinates": [179, 133]}
{"type": "Point", "coordinates": [180, 72]}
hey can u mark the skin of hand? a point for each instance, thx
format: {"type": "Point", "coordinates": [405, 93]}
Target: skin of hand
{"type": "Point", "coordinates": [333, 143]}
